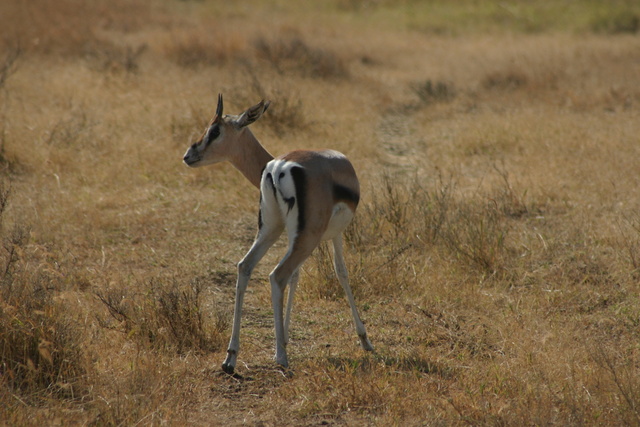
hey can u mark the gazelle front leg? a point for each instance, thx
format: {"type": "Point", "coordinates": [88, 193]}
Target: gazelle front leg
{"type": "Point", "coordinates": [265, 239]}
{"type": "Point", "coordinates": [343, 277]}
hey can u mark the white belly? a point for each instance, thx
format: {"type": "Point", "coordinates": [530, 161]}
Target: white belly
{"type": "Point", "coordinates": [340, 218]}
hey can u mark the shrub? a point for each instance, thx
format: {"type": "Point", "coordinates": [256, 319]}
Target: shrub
{"type": "Point", "coordinates": [117, 58]}
{"type": "Point", "coordinates": [295, 55]}
{"type": "Point", "coordinates": [8, 64]}
{"type": "Point", "coordinates": [508, 80]}
{"type": "Point", "coordinates": [286, 112]}
{"type": "Point", "coordinates": [195, 50]}
{"type": "Point", "coordinates": [619, 22]}
{"type": "Point", "coordinates": [430, 92]}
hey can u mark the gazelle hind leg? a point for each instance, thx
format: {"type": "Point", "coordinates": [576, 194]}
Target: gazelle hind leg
{"type": "Point", "coordinates": [292, 290]}
{"type": "Point", "coordinates": [279, 278]}
{"type": "Point", "coordinates": [264, 240]}
{"type": "Point", "coordinates": [299, 250]}
{"type": "Point", "coordinates": [343, 277]}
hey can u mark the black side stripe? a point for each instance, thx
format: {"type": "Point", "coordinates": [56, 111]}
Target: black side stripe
{"type": "Point", "coordinates": [340, 192]}
{"type": "Point", "coordinates": [300, 182]}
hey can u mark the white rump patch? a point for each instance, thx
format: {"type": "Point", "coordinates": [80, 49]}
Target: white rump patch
{"type": "Point", "coordinates": [280, 171]}
{"type": "Point", "coordinates": [285, 205]}
{"type": "Point", "coordinates": [340, 218]}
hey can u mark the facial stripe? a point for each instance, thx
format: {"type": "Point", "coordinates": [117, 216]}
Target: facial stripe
{"type": "Point", "coordinates": [212, 133]}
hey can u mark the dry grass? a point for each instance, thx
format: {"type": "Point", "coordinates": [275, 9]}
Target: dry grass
{"type": "Point", "coordinates": [495, 255]}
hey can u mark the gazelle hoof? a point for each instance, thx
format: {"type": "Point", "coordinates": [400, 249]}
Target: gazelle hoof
{"type": "Point", "coordinates": [229, 369]}
{"type": "Point", "coordinates": [366, 344]}
{"type": "Point", "coordinates": [282, 361]}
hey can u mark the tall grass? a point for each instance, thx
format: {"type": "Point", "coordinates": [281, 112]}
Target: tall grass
{"type": "Point", "coordinates": [411, 214]}
{"type": "Point", "coordinates": [468, 17]}
{"type": "Point", "coordinates": [167, 317]}
{"type": "Point", "coordinates": [70, 27]}
{"type": "Point", "coordinates": [41, 353]}
{"type": "Point", "coordinates": [495, 254]}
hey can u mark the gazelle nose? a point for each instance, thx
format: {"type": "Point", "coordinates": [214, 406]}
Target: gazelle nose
{"type": "Point", "coordinates": [188, 160]}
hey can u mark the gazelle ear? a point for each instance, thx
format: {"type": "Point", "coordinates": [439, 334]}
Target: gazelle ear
{"type": "Point", "coordinates": [252, 114]}
{"type": "Point", "coordinates": [218, 109]}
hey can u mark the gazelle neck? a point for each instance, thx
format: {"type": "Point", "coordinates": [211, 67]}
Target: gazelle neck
{"type": "Point", "coordinates": [250, 157]}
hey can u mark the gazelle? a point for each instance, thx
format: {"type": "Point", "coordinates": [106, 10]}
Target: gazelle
{"type": "Point", "coordinates": [311, 194]}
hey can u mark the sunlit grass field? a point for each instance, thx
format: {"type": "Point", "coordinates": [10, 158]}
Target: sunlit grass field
{"type": "Point", "coordinates": [495, 255]}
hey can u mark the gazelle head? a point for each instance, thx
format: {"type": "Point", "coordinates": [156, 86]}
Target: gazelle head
{"type": "Point", "coordinates": [219, 139]}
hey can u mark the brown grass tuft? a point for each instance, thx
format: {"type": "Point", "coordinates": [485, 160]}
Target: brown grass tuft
{"type": "Point", "coordinates": [431, 92]}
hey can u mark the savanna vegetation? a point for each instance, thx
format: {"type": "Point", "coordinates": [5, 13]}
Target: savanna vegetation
{"type": "Point", "coordinates": [495, 256]}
